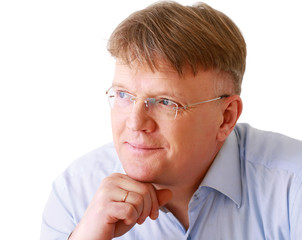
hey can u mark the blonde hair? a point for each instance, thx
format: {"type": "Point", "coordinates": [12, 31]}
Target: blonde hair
{"type": "Point", "coordinates": [197, 36]}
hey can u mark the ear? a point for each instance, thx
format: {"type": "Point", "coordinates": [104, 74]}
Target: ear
{"type": "Point", "coordinates": [231, 111]}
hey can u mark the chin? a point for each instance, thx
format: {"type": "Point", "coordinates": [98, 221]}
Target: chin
{"type": "Point", "coordinates": [140, 173]}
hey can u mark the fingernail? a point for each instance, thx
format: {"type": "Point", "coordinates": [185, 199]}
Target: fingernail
{"type": "Point", "coordinates": [140, 221]}
{"type": "Point", "coordinates": [154, 215]}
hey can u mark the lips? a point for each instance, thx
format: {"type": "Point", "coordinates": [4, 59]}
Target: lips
{"type": "Point", "coordinates": [142, 147]}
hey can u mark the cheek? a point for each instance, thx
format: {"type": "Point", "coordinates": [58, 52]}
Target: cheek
{"type": "Point", "coordinates": [194, 135]}
{"type": "Point", "coordinates": [117, 125]}
{"type": "Point", "coordinates": [179, 137]}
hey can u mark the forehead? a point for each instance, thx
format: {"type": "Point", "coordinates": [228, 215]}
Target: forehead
{"type": "Point", "coordinates": [135, 72]}
{"type": "Point", "coordinates": [140, 79]}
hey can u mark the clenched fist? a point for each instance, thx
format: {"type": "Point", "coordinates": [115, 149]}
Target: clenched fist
{"type": "Point", "coordinates": [119, 203]}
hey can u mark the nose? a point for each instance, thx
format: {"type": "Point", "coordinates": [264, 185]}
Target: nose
{"type": "Point", "coordinates": [139, 119]}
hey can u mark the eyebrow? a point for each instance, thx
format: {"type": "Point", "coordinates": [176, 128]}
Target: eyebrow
{"type": "Point", "coordinates": [117, 85]}
{"type": "Point", "coordinates": [157, 93]}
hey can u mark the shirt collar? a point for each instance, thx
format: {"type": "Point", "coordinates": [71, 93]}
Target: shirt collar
{"type": "Point", "coordinates": [224, 173]}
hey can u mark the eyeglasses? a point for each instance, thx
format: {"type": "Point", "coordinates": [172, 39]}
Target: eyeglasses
{"type": "Point", "coordinates": [159, 108]}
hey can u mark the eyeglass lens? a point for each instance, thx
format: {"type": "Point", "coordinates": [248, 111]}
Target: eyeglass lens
{"type": "Point", "coordinates": [123, 102]}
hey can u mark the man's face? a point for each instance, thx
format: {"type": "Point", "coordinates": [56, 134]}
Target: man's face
{"type": "Point", "coordinates": [166, 151]}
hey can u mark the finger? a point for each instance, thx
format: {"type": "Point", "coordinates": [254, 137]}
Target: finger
{"type": "Point", "coordinates": [155, 206]}
{"type": "Point", "coordinates": [115, 194]}
{"type": "Point", "coordinates": [146, 192]}
{"type": "Point", "coordinates": [163, 196]}
{"type": "Point", "coordinates": [123, 196]}
{"type": "Point", "coordinates": [136, 200]}
{"type": "Point", "coordinates": [120, 211]}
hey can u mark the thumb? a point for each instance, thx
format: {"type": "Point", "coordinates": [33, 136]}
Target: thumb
{"type": "Point", "coordinates": [163, 196]}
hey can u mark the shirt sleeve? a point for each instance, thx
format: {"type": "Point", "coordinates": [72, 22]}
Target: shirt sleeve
{"type": "Point", "coordinates": [57, 222]}
{"type": "Point", "coordinates": [73, 190]}
{"type": "Point", "coordinates": [296, 212]}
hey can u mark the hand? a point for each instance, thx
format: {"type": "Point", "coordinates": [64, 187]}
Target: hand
{"type": "Point", "coordinates": [119, 203]}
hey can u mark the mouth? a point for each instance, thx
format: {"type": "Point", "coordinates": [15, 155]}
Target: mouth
{"type": "Point", "coordinates": [142, 148]}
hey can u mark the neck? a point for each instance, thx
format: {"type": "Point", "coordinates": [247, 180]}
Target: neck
{"type": "Point", "coordinates": [180, 202]}
{"type": "Point", "coordinates": [182, 194]}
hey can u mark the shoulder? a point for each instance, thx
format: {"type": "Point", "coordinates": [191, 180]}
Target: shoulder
{"type": "Point", "coordinates": [103, 160]}
{"type": "Point", "coordinates": [73, 189]}
{"type": "Point", "coordinates": [271, 166]}
{"type": "Point", "coordinates": [90, 169]}
{"type": "Point", "coordinates": [272, 150]}
{"type": "Point", "coordinates": [271, 177]}
{"type": "Point", "coordinates": [80, 180]}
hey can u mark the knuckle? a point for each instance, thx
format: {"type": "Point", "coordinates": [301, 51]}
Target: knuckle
{"type": "Point", "coordinates": [145, 190]}
{"type": "Point", "coordinates": [115, 175]}
{"type": "Point", "coordinates": [110, 180]}
{"type": "Point", "coordinates": [104, 210]}
{"type": "Point", "coordinates": [129, 209]}
{"type": "Point", "coordinates": [106, 181]}
{"type": "Point", "coordinates": [138, 199]}
{"type": "Point", "coordinates": [130, 213]}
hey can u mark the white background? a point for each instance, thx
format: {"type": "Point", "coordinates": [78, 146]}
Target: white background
{"type": "Point", "coordinates": [54, 71]}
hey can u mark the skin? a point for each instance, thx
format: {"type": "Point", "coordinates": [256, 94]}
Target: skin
{"type": "Point", "coordinates": [161, 158]}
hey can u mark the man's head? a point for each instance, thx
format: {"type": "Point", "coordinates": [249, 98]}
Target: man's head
{"type": "Point", "coordinates": [186, 55]}
{"type": "Point", "coordinates": [198, 36]}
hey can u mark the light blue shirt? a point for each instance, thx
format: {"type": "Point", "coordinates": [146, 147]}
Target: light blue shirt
{"type": "Point", "coordinates": [253, 190]}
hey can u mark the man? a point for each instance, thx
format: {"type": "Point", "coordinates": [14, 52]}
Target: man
{"type": "Point", "coordinates": [180, 167]}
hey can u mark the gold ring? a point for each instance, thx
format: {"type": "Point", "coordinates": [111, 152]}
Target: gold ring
{"type": "Point", "coordinates": [124, 198]}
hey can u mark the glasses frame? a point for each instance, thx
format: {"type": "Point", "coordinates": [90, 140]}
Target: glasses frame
{"type": "Point", "coordinates": [154, 100]}
{"type": "Point", "coordinates": [206, 101]}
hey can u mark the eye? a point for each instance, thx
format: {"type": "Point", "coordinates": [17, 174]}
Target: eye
{"type": "Point", "coordinates": [122, 94]}
{"type": "Point", "coordinates": [167, 103]}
